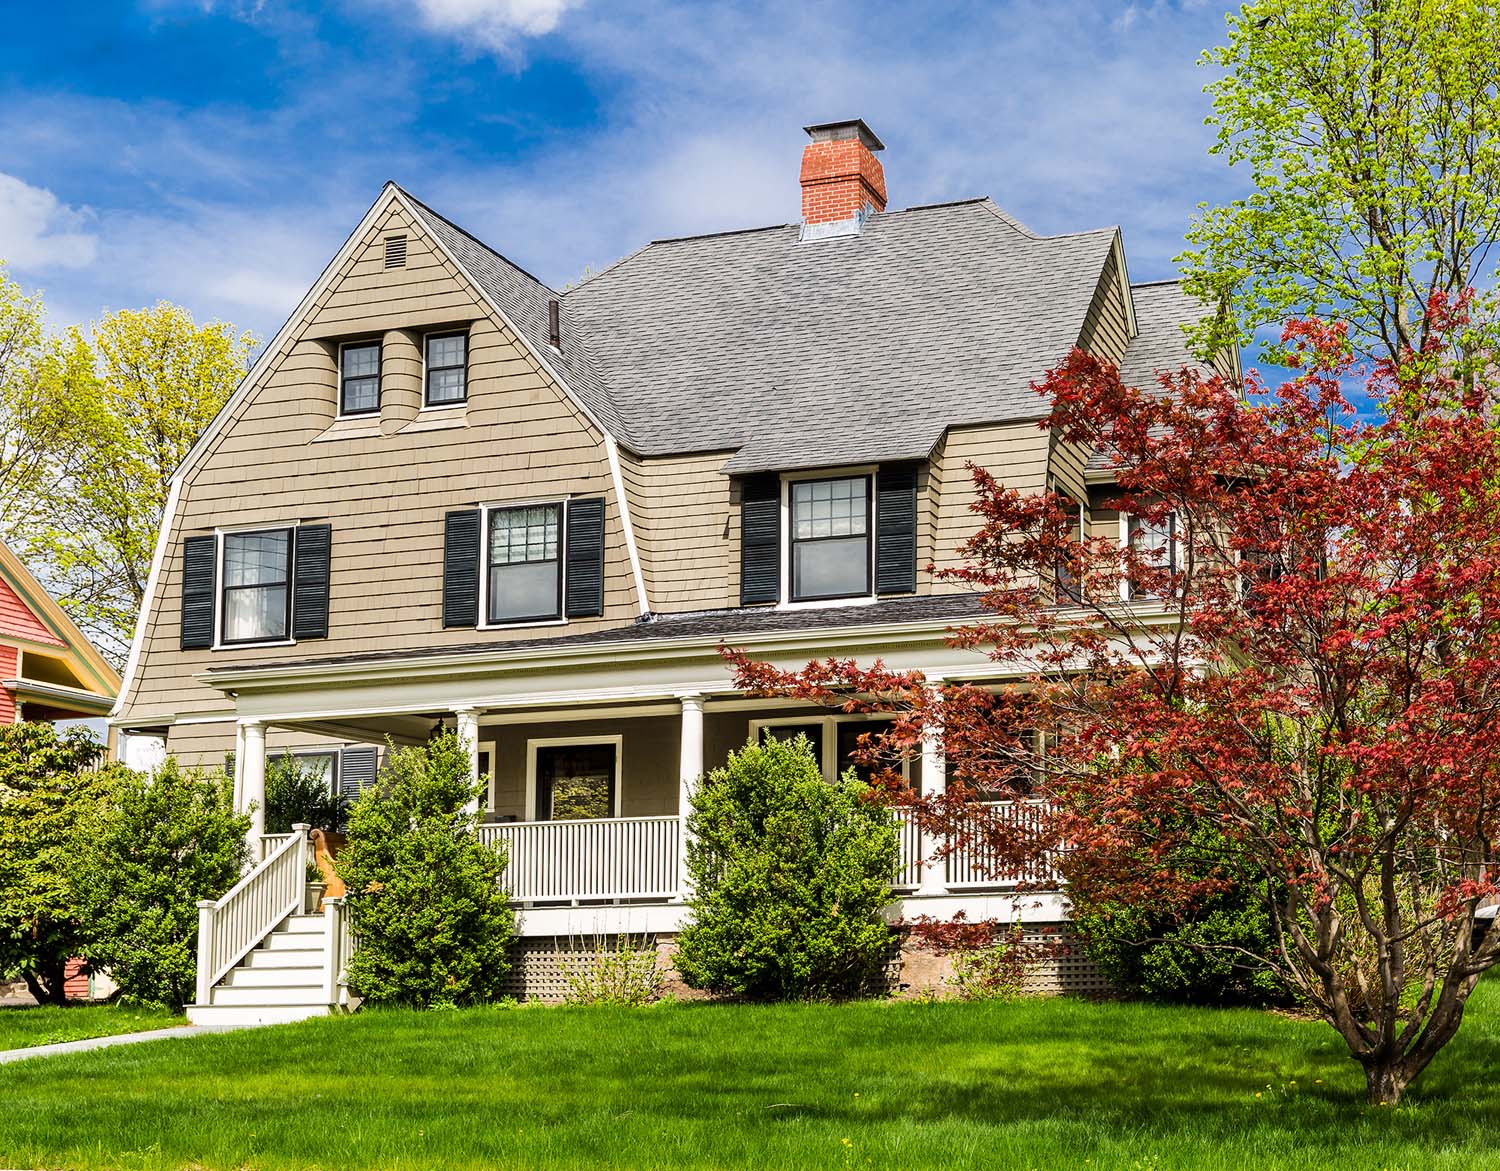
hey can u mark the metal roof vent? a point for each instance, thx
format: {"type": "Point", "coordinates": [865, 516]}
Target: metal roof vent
{"type": "Point", "coordinates": [395, 252]}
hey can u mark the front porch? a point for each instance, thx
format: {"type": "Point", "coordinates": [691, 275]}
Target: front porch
{"type": "Point", "coordinates": [590, 803]}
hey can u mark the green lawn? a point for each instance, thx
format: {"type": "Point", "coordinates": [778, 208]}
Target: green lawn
{"type": "Point", "coordinates": [21, 1028]}
{"type": "Point", "coordinates": [1043, 1084]}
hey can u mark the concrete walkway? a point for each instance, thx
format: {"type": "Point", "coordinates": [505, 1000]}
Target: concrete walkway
{"type": "Point", "coordinates": [9, 1055]}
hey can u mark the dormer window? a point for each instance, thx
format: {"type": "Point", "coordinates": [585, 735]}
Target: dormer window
{"type": "Point", "coordinates": [359, 378]}
{"type": "Point", "coordinates": [447, 369]}
{"type": "Point", "coordinates": [830, 538]}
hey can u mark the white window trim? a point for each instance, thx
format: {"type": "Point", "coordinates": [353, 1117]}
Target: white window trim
{"type": "Point", "coordinates": [220, 532]}
{"type": "Point", "coordinates": [830, 762]}
{"type": "Point", "coordinates": [785, 601]}
{"type": "Point", "coordinates": [1126, 594]}
{"type": "Point", "coordinates": [338, 383]}
{"type": "Point", "coordinates": [484, 564]}
{"type": "Point", "coordinates": [617, 740]}
{"type": "Point", "coordinates": [463, 402]}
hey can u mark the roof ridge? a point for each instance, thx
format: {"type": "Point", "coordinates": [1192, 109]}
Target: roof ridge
{"type": "Point", "coordinates": [1006, 218]}
{"type": "Point", "coordinates": [471, 236]}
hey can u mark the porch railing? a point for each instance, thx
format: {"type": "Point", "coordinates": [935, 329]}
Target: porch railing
{"type": "Point", "coordinates": [974, 864]}
{"type": "Point", "coordinates": [611, 858]}
{"type": "Point", "coordinates": [230, 928]}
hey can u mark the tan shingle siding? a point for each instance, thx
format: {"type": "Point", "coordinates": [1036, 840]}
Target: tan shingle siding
{"type": "Point", "coordinates": [384, 495]}
{"type": "Point", "coordinates": [687, 529]}
{"type": "Point", "coordinates": [1016, 453]}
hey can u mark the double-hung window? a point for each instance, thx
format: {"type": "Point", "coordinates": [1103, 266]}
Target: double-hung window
{"type": "Point", "coordinates": [256, 602]}
{"type": "Point", "coordinates": [830, 538]}
{"type": "Point", "coordinates": [524, 563]}
{"type": "Point", "coordinates": [447, 369]}
{"type": "Point", "coordinates": [1155, 547]}
{"type": "Point", "coordinates": [359, 378]}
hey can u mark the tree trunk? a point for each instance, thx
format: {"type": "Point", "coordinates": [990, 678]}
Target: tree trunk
{"type": "Point", "coordinates": [48, 987]}
{"type": "Point", "coordinates": [1385, 1082]}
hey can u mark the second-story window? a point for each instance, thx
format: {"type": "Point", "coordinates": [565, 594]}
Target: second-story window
{"type": "Point", "coordinates": [257, 594]}
{"type": "Point", "coordinates": [359, 378]}
{"type": "Point", "coordinates": [830, 538]}
{"type": "Point", "coordinates": [447, 369]}
{"type": "Point", "coordinates": [1155, 545]}
{"type": "Point", "coordinates": [525, 563]}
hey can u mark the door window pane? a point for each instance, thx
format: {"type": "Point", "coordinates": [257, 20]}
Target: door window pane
{"type": "Point", "coordinates": [830, 538]}
{"type": "Point", "coordinates": [575, 782]}
{"type": "Point", "coordinates": [849, 732]}
{"type": "Point", "coordinates": [788, 732]}
{"type": "Point", "coordinates": [256, 575]}
{"type": "Point", "coordinates": [525, 568]}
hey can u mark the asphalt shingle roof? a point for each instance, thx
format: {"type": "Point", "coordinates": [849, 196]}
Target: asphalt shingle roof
{"type": "Point", "coordinates": [839, 350]}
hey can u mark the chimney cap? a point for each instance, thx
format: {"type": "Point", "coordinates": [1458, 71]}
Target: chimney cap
{"type": "Point", "coordinates": [838, 131]}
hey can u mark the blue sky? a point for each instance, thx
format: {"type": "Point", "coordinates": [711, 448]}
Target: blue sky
{"type": "Point", "coordinates": [216, 152]}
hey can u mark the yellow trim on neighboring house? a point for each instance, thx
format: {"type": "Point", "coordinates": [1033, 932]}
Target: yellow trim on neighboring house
{"type": "Point", "coordinates": [77, 651]}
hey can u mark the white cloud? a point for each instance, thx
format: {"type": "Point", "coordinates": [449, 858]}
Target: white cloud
{"type": "Point", "coordinates": [38, 231]}
{"type": "Point", "coordinates": [494, 23]}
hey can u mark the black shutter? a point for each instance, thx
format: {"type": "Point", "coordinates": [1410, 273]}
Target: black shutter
{"type": "Point", "coordinates": [199, 578]}
{"type": "Point", "coordinates": [896, 530]}
{"type": "Point", "coordinates": [310, 586]}
{"type": "Point", "coordinates": [760, 540]}
{"type": "Point", "coordinates": [356, 771]}
{"type": "Point", "coordinates": [585, 543]}
{"type": "Point", "coordinates": [461, 568]}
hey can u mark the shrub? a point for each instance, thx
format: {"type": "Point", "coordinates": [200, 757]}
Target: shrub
{"type": "Point", "coordinates": [425, 903]}
{"type": "Point", "coordinates": [166, 841]}
{"type": "Point", "coordinates": [790, 874]}
{"type": "Point", "coordinates": [996, 971]}
{"type": "Point", "coordinates": [48, 788]}
{"type": "Point", "coordinates": [299, 792]}
{"type": "Point", "coordinates": [624, 974]}
{"type": "Point", "coordinates": [1206, 955]}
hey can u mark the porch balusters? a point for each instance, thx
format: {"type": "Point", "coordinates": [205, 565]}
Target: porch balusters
{"type": "Point", "coordinates": [691, 768]}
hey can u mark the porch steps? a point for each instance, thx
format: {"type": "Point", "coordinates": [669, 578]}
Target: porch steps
{"type": "Point", "coordinates": [279, 981]}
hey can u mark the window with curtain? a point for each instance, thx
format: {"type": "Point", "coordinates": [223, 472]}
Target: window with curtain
{"type": "Point", "coordinates": [256, 576]}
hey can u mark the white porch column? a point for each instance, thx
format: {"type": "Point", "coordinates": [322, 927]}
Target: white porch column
{"type": "Point", "coordinates": [468, 735]}
{"type": "Point", "coordinates": [252, 773]}
{"type": "Point", "coordinates": [934, 783]}
{"type": "Point", "coordinates": [690, 768]}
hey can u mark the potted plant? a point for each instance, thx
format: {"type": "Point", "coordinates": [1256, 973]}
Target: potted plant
{"type": "Point", "coordinates": [316, 887]}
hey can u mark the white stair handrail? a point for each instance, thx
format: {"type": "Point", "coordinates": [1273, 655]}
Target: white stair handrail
{"type": "Point", "coordinates": [231, 927]}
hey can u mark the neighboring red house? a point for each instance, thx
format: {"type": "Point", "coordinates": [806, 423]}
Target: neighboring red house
{"type": "Point", "coordinates": [48, 669]}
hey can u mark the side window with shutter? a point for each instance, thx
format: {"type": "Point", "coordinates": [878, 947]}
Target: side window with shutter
{"type": "Point", "coordinates": [585, 552]}
{"type": "Point", "coordinates": [760, 540]}
{"type": "Point", "coordinates": [461, 569]}
{"type": "Point", "coordinates": [896, 530]}
{"type": "Point", "coordinates": [199, 581]}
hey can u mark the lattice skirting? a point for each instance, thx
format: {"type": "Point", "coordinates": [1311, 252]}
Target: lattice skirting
{"type": "Point", "coordinates": [541, 966]}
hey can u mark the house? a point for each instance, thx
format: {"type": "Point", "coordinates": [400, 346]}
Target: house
{"type": "Point", "coordinates": [449, 496]}
{"type": "Point", "coordinates": [48, 670]}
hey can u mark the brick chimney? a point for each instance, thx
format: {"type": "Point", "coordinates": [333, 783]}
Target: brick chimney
{"type": "Point", "coordinates": [842, 180]}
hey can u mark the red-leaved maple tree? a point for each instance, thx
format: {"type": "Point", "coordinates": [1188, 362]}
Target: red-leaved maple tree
{"type": "Point", "coordinates": [1298, 648]}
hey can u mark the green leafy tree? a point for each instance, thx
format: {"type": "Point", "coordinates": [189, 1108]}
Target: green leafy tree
{"type": "Point", "coordinates": [425, 903]}
{"type": "Point", "coordinates": [49, 789]}
{"type": "Point", "coordinates": [148, 382]}
{"type": "Point", "coordinates": [39, 423]}
{"type": "Point", "coordinates": [789, 877]}
{"type": "Point", "coordinates": [168, 840]}
{"type": "Point", "coordinates": [1370, 130]}
{"type": "Point", "coordinates": [300, 792]}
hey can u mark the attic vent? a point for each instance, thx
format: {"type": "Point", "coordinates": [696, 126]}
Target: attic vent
{"type": "Point", "coordinates": [395, 252]}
